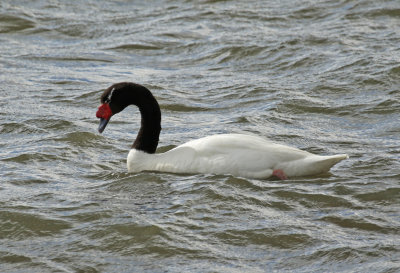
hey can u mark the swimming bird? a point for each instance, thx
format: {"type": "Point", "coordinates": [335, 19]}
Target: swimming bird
{"type": "Point", "coordinates": [239, 155]}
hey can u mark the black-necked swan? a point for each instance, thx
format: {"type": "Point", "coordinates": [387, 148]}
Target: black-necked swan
{"type": "Point", "coordinates": [235, 154]}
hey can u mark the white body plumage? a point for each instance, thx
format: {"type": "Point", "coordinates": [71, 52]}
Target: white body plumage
{"type": "Point", "coordinates": [236, 154]}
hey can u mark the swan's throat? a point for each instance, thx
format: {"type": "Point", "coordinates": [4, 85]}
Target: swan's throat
{"type": "Point", "coordinates": [149, 133]}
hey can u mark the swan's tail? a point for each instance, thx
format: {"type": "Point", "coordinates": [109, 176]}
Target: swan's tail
{"type": "Point", "coordinates": [325, 163]}
{"type": "Point", "coordinates": [311, 165]}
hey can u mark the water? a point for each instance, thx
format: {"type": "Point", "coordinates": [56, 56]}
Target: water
{"type": "Point", "coordinates": [319, 75]}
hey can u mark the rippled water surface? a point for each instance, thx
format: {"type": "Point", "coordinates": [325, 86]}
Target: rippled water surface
{"type": "Point", "coordinates": [323, 76]}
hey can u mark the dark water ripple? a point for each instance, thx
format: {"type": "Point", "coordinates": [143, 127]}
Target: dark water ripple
{"type": "Point", "coordinates": [319, 75]}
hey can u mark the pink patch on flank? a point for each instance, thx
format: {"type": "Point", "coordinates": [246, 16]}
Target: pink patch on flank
{"type": "Point", "coordinates": [280, 174]}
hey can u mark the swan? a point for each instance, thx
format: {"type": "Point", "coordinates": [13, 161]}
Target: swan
{"type": "Point", "coordinates": [239, 155]}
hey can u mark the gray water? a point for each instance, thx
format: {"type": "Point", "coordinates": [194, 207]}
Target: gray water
{"type": "Point", "coordinates": [323, 76]}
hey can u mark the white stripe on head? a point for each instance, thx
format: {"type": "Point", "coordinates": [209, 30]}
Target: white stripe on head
{"type": "Point", "coordinates": [110, 95]}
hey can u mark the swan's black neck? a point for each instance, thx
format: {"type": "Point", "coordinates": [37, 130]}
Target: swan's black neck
{"type": "Point", "coordinates": [130, 93]}
{"type": "Point", "coordinates": [149, 133]}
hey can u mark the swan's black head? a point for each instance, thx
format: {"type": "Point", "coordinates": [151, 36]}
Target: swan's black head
{"type": "Point", "coordinates": [111, 103]}
{"type": "Point", "coordinates": [118, 96]}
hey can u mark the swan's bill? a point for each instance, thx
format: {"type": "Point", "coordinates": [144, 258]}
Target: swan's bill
{"type": "Point", "coordinates": [103, 124]}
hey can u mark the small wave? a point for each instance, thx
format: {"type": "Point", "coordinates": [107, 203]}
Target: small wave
{"type": "Point", "coordinates": [183, 108]}
{"type": "Point", "coordinates": [357, 223]}
{"type": "Point", "coordinates": [20, 226]}
{"type": "Point", "coordinates": [314, 199]}
{"type": "Point", "coordinates": [264, 237]}
{"type": "Point", "coordinates": [386, 196]}
{"type": "Point", "coordinates": [80, 139]}
{"type": "Point", "coordinates": [134, 47]}
{"type": "Point", "coordinates": [14, 23]}
{"type": "Point", "coordinates": [14, 128]}
{"type": "Point", "coordinates": [30, 157]}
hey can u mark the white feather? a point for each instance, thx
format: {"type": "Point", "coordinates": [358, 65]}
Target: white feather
{"type": "Point", "coordinates": [235, 154]}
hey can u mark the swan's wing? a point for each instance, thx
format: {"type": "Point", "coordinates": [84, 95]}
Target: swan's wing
{"type": "Point", "coordinates": [238, 161]}
{"type": "Point", "coordinates": [245, 147]}
{"type": "Point", "coordinates": [236, 154]}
